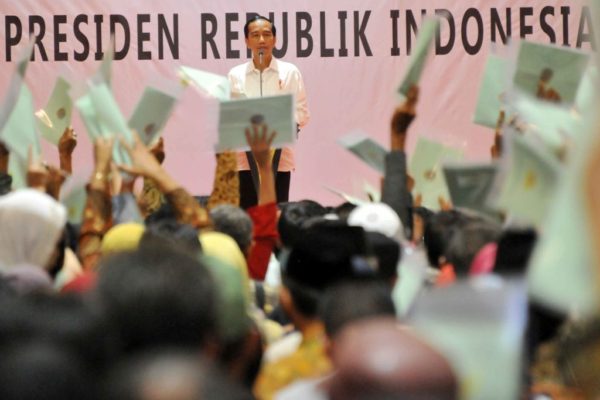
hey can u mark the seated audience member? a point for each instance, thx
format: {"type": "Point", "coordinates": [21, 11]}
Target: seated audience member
{"type": "Point", "coordinates": [31, 226]}
{"type": "Point", "coordinates": [375, 359]}
{"type": "Point", "coordinates": [321, 257]}
{"type": "Point", "coordinates": [342, 305]}
{"type": "Point", "coordinates": [158, 297]}
{"type": "Point", "coordinates": [42, 370]}
{"type": "Point", "coordinates": [66, 321]}
{"type": "Point", "coordinates": [98, 215]}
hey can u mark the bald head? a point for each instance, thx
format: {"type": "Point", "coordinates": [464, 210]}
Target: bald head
{"type": "Point", "coordinates": [377, 359]}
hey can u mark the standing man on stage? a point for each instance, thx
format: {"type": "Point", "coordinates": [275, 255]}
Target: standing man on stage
{"type": "Point", "coordinates": [266, 76]}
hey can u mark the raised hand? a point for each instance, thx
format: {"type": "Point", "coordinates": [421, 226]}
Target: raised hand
{"type": "Point", "coordinates": [67, 142]}
{"type": "Point", "coordinates": [260, 143]}
{"type": "Point", "coordinates": [144, 163]}
{"type": "Point", "coordinates": [402, 118]}
{"type": "Point", "coordinates": [66, 145]}
{"type": "Point", "coordinates": [158, 150]}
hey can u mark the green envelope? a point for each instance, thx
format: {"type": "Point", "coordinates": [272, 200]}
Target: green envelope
{"type": "Point", "coordinates": [416, 64]}
{"type": "Point", "coordinates": [365, 148]}
{"type": "Point", "coordinates": [492, 88]}
{"type": "Point", "coordinates": [426, 169]}
{"type": "Point", "coordinates": [562, 270]}
{"type": "Point", "coordinates": [151, 114]}
{"type": "Point", "coordinates": [105, 71]}
{"type": "Point", "coordinates": [478, 325]}
{"type": "Point", "coordinates": [412, 275]}
{"type": "Point", "coordinates": [530, 183]}
{"type": "Point", "coordinates": [19, 133]}
{"type": "Point", "coordinates": [236, 116]}
{"type": "Point", "coordinates": [212, 84]}
{"type": "Point", "coordinates": [53, 119]}
{"type": "Point", "coordinates": [470, 185]}
{"type": "Point", "coordinates": [14, 86]}
{"type": "Point", "coordinates": [549, 121]}
{"type": "Point", "coordinates": [568, 67]}
{"type": "Point", "coordinates": [88, 115]}
{"type": "Point", "coordinates": [111, 120]}
{"type": "Point", "coordinates": [584, 102]}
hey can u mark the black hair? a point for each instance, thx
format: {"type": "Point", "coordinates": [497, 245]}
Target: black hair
{"type": "Point", "coordinates": [388, 254]}
{"type": "Point", "coordinates": [439, 229]}
{"type": "Point", "coordinates": [43, 370]}
{"type": "Point", "coordinates": [354, 301]}
{"type": "Point", "coordinates": [158, 297]}
{"type": "Point", "coordinates": [325, 255]}
{"type": "Point", "coordinates": [467, 241]}
{"type": "Point", "coordinates": [514, 249]}
{"type": "Point", "coordinates": [65, 320]}
{"type": "Point", "coordinates": [234, 222]}
{"type": "Point", "coordinates": [293, 216]}
{"type": "Point", "coordinates": [182, 236]}
{"type": "Point", "coordinates": [259, 18]}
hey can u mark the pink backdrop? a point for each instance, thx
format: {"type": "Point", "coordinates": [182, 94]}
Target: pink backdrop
{"type": "Point", "coordinates": [344, 93]}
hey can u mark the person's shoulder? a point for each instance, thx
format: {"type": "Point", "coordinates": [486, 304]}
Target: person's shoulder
{"type": "Point", "coordinates": [239, 69]}
{"type": "Point", "coordinates": [286, 66]}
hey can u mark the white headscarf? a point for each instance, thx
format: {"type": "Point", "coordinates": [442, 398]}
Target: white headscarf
{"type": "Point", "coordinates": [31, 223]}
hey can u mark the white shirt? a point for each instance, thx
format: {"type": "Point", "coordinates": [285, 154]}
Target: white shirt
{"type": "Point", "coordinates": [279, 77]}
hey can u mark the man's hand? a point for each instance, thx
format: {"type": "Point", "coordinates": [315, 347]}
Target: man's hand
{"type": "Point", "coordinates": [56, 177]}
{"type": "Point", "coordinates": [67, 142]}
{"type": "Point", "coordinates": [158, 150]}
{"type": "Point", "coordinates": [402, 118]}
{"type": "Point", "coordinates": [66, 145]}
{"type": "Point", "coordinates": [145, 164]}
{"type": "Point", "coordinates": [103, 149]}
{"type": "Point", "coordinates": [260, 144]}
{"type": "Point", "coordinates": [143, 161]}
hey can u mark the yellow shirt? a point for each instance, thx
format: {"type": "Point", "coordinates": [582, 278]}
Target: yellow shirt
{"type": "Point", "coordinates": [309, 361]}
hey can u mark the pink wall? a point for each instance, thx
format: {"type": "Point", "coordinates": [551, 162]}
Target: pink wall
{"type": "Point", "coordinates": [344, 93]}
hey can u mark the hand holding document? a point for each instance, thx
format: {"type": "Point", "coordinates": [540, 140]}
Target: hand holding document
{"type": "Point", "coordinates": [426, 170]}
{"type": "Point", "coordinates": [236, 115]}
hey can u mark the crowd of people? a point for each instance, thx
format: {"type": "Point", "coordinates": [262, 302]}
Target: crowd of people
{"type": "Point", "coordinates": [158, 294]}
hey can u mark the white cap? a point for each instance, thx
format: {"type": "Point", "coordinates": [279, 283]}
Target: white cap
{"type": "Point", "coordinates": [377, 217]}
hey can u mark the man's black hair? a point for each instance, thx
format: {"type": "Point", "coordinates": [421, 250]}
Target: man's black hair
{"type": "Point", "coordinates": [259, 18]}
{"type": "Point", "coordinates": [158, 297]}
{"type": "Point", "coordinates": [353, 301]}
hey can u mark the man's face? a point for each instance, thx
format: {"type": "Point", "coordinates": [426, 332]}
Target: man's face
{"type": "Point", "coordinates": [260, 37]}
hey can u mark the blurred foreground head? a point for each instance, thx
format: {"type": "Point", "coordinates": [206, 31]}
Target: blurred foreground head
{"type": "Point", "coordinates": [157, 297]}
{"type": "Point", "coordinates": [377, 359]}
{"type": "Point", "coordinates": [171, 375]}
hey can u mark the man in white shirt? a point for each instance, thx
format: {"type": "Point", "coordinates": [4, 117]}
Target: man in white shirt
{"type": "Point", "coordinates": [266, 76]}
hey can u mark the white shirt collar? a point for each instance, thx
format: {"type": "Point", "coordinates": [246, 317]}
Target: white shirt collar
{"type": "Point", "coordinates": [273, 65]}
